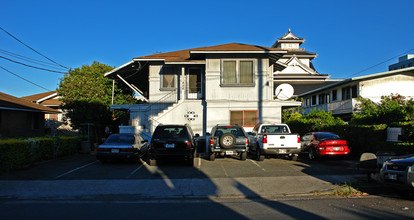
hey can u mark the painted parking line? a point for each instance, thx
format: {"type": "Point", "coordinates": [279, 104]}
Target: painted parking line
{"type": "Point", "coordinates": [254, 162]}
{"type": "Point", "coordinates": [134, 171]}
{"type": "Point", "coordinates": [77, 168]}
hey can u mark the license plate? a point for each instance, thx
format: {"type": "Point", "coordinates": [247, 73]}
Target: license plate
{"type": "Point", "coordinates": [336, 148]}
{"type": "Point", "coordinates": [282, 151]}
{"type": "Point", "coordinates": [392, 176]}
{"type": "Point", "coordinates": [229, 152]}
{"type": "Point", "coordinates": [169, 145]}
{"type": "Point", "coordinates": [114, 150]}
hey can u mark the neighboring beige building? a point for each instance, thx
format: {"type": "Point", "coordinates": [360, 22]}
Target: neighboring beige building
{"type": "Point", "coordinates": [53, 121]}
{"type": "Point", "coordinates": [340, 98]}
{"type": "Point", "coordinates": [22, 118]}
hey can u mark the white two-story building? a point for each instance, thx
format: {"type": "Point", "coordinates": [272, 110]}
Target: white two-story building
{"type": "Point", "coordinates": [224, 84]}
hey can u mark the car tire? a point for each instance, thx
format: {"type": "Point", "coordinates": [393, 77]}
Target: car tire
{"type": "Point", "coordinates": [259, 156]}
{"type": "Point", "coordinates": [311, 154]}
{"type": "Point", "coordinates": [243, 155]}
{"type": "Point", "coordinates": [294, 157]}
{"type": "Point", "coordinates": [152, 162]}
{"type": "Point", "coordinates": [212, 157]}
{"type": "Point", "coordinates": [227, 140]}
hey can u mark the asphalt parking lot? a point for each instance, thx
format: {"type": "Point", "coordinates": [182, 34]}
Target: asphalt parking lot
{"type": "Point", "coordinates": [83, 175]}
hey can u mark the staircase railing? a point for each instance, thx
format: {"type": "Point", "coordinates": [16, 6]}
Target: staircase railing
{"type": "Point", "coordinates": [156, 107]}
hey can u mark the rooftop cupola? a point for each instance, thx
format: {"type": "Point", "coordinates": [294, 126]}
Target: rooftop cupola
{"type": "Point", "coordinates": [289, 42]}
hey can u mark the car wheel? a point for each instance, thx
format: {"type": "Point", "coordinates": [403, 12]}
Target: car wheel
{"type": "Point", "coordinates": [152, 162]}
{"type": "Point", "coordinates": [294, 157]}
{"type": "Point", "coordinates": [212, 157]}
{"type": "Point", "coordinates": [227, 140]}
{"type": "Point", "coordinates": [243, 155]}
{"type": "Point", "coordinates": [259, 156]}
{"type": "Point", "coordinates": [311, 154]}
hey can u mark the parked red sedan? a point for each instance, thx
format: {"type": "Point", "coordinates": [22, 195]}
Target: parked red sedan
{"type": "Point", "coordinates": [319, 144]}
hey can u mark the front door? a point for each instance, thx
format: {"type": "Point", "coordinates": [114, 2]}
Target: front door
{"type": "Point", "coordinates": [194, 88]}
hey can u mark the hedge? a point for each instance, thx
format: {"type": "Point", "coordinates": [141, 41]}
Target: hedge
{"type": "Point", "coordinates": [18, 153]}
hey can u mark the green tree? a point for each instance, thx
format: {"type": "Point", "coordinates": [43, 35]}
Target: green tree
{"type": "Point", "coordinates": [87, 95]}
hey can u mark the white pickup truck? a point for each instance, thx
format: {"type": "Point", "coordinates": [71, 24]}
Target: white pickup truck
{"type": "Point", "coordinates": [273, 139]}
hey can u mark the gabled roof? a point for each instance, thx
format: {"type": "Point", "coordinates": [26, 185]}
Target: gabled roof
{"type": "Point", "coordinates": [197, 55]}
{"type": "Point", "coordinates": [9, 102]}
{"type": "Point", "coordinates": [46, 98]}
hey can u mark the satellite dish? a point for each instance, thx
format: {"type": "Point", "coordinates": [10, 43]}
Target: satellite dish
{"type": "Point", "coordinates": [284, 91]}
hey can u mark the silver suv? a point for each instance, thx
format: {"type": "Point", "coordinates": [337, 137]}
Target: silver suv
{"type": "Point", "coordinates": [228, 141]}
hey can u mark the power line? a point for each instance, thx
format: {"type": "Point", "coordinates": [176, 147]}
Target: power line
{"type": "Point", "coordinates": [25, 79]}
{"type": "Point", "coordinates": [39, 68]}
{"type": "Point", "coordinates": [39, 62]}
{"type": "Point", "coordinates": [32, 48]}
{"type": "Point", "coordinates": [379, 63]}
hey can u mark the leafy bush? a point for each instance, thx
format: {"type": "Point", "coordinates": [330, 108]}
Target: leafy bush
{"type": "Point", "coordinates": [315, 121]}
{"type": "Point", "coordinates": [17, 153]}
{"type": "Point", "coordinates": [392, 108]}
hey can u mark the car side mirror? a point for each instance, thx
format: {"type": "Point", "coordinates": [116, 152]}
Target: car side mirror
{"type": "Point", "coordinates": [197, 135]}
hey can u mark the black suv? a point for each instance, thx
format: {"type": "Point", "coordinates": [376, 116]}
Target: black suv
{"type": "Point", "coordinates": [172, 141]}
{"type": "Point", "coordinates": [228, 141]}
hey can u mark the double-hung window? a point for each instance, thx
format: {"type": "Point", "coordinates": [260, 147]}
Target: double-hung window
{"type": "Point", "coordinates": [168, 78]}
{"type": "Point", "coordinates": [237, 72]}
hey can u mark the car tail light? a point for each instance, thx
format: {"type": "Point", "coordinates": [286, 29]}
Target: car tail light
{"type": "Point", "coordinates": [126, 149]}
{"type": "Point", "coordinates": [322, 145]}
{"type": "Point", "coordinates": [247, 141]}
{"type": "Point", "coordinates": [264, 139]}
{"type": "Point", "coordinates": [152, 146]}
{"type": "Point", "coordinates": [211, 141]}
{"type": "Point", "coordinates": [188, 145]}
{"type": "Point", "coordinates": [298, 138]}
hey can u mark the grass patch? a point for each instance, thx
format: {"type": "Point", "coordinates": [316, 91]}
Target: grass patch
{"type": "Point", "coordinates": [347, 189]}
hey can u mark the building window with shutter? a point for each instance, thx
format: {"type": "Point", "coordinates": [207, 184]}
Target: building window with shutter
{"type": "Point", "coordinates": [246, 118]}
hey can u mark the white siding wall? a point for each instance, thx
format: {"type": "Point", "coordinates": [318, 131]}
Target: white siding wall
{"type": "Point", "coordinates": [374, 89]}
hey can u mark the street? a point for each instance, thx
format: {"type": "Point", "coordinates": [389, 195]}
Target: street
{"type": "Point", "coordinates": [227, 188]}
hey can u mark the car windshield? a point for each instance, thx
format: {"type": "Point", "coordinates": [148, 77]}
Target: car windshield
{"type": "Point", "coordinates": [274, 129]}
{"type": "Point", "coordinates": [120, 139]}
{"type": "Point", "coordinates": [167, 132]}
{"type": "Point", "coordinates": [236, 131]}
{"type": "Point", "coordinates": [326, 136]}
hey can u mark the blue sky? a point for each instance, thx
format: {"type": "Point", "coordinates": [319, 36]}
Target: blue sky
{"type": "Point", "coordinates": [349, 36]}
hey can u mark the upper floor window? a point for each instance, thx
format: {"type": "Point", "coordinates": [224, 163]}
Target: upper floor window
{"type": "Point", "coordinates": [313, 100]}
{"type": "Point", "coordinates": [346, 93]}
{"type": "Point", "coordinates": [237, 72]}
{"type": "Point", "coordinates": [354, 91]}
{"type": "Point", "coordinates": [168, 78]}
{"type": "Point", "coordinates": [334, 95]}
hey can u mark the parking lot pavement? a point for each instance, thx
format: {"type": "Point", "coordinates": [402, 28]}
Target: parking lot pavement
{"type": "Point", "coordinates": [84, 177]}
